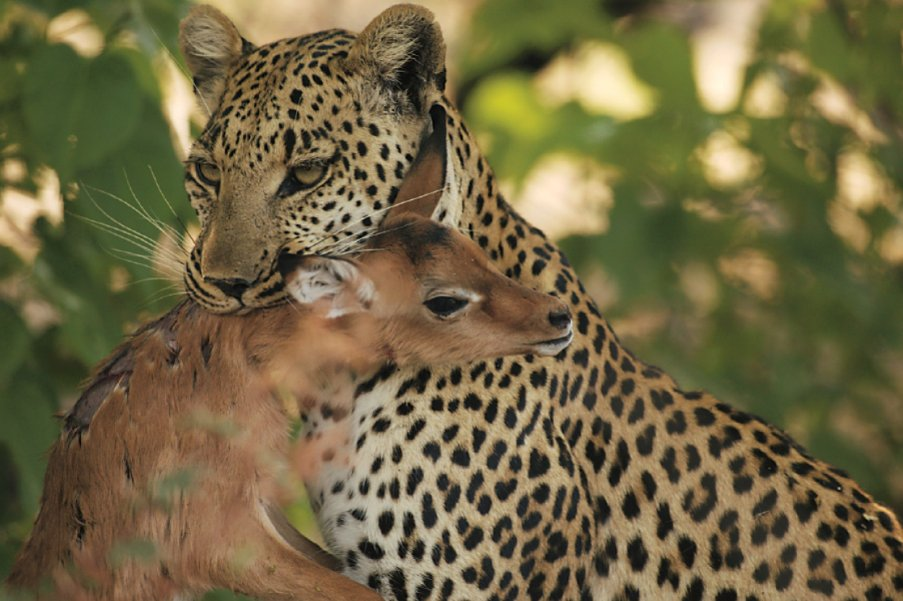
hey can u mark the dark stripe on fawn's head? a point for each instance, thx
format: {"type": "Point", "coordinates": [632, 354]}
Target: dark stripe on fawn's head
{"type": "Point", "coordinates": [418, 238]}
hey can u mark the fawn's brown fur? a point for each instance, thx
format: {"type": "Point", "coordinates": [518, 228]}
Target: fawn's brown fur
{"type": "Point", "coordinates": [164, 481]}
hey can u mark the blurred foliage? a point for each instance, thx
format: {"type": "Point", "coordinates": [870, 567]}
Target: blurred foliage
{"type": "Point", "coordinates": [91, 121]}
{"type": "Point", "coordinates": [774, 289]}
{"type": "Point", "coordinates": [777, 289]}
{"type": "Point", "coordinates": [81, 109]}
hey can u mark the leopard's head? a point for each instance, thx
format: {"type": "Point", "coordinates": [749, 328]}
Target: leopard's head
{"type": "Point", "coordinates": [308, 142]}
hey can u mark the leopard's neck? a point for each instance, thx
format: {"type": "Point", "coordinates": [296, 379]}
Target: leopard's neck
{"type": "Point", "coordinates": [525, 253]}
{"type": "Point", "coordinates": [475, 206]}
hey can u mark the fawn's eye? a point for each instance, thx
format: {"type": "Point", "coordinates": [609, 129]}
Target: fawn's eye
{"type": "Point", "coordinates": [208, 173]}
{"type": "Point", "coordinates": [445, 306]}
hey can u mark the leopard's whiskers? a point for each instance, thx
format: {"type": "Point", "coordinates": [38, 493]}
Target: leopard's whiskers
{"type": "Point", "coordinates": [136, 239]}
{"type": "Point", "coordinates": [185, 229]}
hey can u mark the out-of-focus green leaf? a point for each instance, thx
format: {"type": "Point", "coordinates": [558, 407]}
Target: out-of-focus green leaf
{"type": "Point", "coordinates": [64, 272]}
{"type": "Point", "coordinates": [16, 342]}
{"type": "Point", "coordinates": [520, 129]}
{"type": "Point", "coordinates": [157, 23]}
{"type": "Point", "coordinates": [828, 44]}
{"type": "Point", "coordinates": [97, 122]}
{"type": "Point", "coordinates": [9, 262]}
{"type": "Point", "coordinates": [530, 27]}
{"type": "Point", "coordinates": [28, 429]}
{"type": "Point", "coordinates": [52, 96]}
{"type": "Point", "coordinates": [660, 55]}
{"type": "Point", "coordinates": [144, 74]}
{"type": "Point", "coordinates": [10, 81]}
{"type": "Point", "coordinates": [109, 110]}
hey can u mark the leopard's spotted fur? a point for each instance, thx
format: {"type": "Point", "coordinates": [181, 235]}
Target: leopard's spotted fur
{"type": "Point", "coordinates": [590, 475]}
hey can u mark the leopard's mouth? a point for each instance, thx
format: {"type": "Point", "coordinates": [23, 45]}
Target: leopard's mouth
{"type": "Point", "coordinates": [267, 292]}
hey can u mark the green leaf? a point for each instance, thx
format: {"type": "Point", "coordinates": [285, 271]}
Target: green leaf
{"type": "Point", "coordinates": [52, 94]}
{"type": "Point", "coordinates": [506, 31]}
{"type": "Point", "coordinates": [660, 55]}
{"type": "Point", "coordinates": [109, 111]}
{"type": "Point", "coordinates": [16, 342]}
{"type": "Point", "coordinates": [828, 46]}
{"type": "Point", "coordinates": [9, 261]}
{"type": "Point", "coordinates": [522, 129]}
{"type": "Point", "coordinates": [28, 429]}
{"type": "Point", "coordinates": [144, 74]}
{"type": "Point", "coordinates": [71, 273]}
{"type": "Point", "coordinates": [156, 22]}
{"type": "Point", "coordinates": [79, 112]}
{"type": "Point", "coordinates": [10, 80]}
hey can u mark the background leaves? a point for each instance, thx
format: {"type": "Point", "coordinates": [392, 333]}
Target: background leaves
{"type": "Point", "coordinates": [778, 290]}
{"type": "Point", "coordinates": [86, 124]}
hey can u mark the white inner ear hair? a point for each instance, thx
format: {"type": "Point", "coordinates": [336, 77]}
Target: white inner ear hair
{"type": "Point", "coordinates": [328, 279]}
{"type": "Point", "coordinates": [450, 201]}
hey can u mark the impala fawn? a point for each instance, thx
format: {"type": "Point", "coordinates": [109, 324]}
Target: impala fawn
{"type": "Point", "coordinates": [164, 481]}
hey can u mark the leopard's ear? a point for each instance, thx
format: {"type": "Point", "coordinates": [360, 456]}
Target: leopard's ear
{"type": "Point", "coordinates": [210, 44]}
{"type": "Point", "coordinates": [403, 52]}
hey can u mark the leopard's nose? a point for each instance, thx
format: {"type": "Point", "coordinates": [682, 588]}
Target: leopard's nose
{"type": "Point", "coordinates": [234, 287]}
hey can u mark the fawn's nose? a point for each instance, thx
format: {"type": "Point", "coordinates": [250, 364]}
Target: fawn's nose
{"type": "Point", "coordinates": [233, 287]}
{"type": "Point", "coordinates": [560, 318]}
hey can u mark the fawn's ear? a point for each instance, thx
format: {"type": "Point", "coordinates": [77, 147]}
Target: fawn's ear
{"type": "Point", "coordinates": [425, 180]}
{"type": "Point", "coordinates": [334, 287]}
{"type": "Point", "coordinates": [210, 44]}
{"type": "Point", "coordinates": [402, 53]}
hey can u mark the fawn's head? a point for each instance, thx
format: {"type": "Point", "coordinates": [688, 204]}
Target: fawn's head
{"type": "Point", "coordinates": [435, 294]}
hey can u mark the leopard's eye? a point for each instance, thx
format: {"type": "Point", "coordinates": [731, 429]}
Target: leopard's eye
{"type": "Point", "coordinates": [308, 175]}
{"type": "Point", "coordinates": [302, 176]}
{"type": "Point", "coordinates": [208, 173]}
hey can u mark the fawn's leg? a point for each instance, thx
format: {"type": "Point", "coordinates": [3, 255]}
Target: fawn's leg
{"type": "Point", "coordinates": [278, 571]}
{"type": "Point", "coordinates": [304, 545]}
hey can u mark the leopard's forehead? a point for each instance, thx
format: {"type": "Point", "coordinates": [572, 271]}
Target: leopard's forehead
{"type": "Point", "coordinates": [294, 84]}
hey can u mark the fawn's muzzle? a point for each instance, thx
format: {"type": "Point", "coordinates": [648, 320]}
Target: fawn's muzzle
{"type": "Point", "coordinates": [560, 319]}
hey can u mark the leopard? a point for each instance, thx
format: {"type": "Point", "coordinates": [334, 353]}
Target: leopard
{"type": "Point", "coordinates": [587, 475]}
